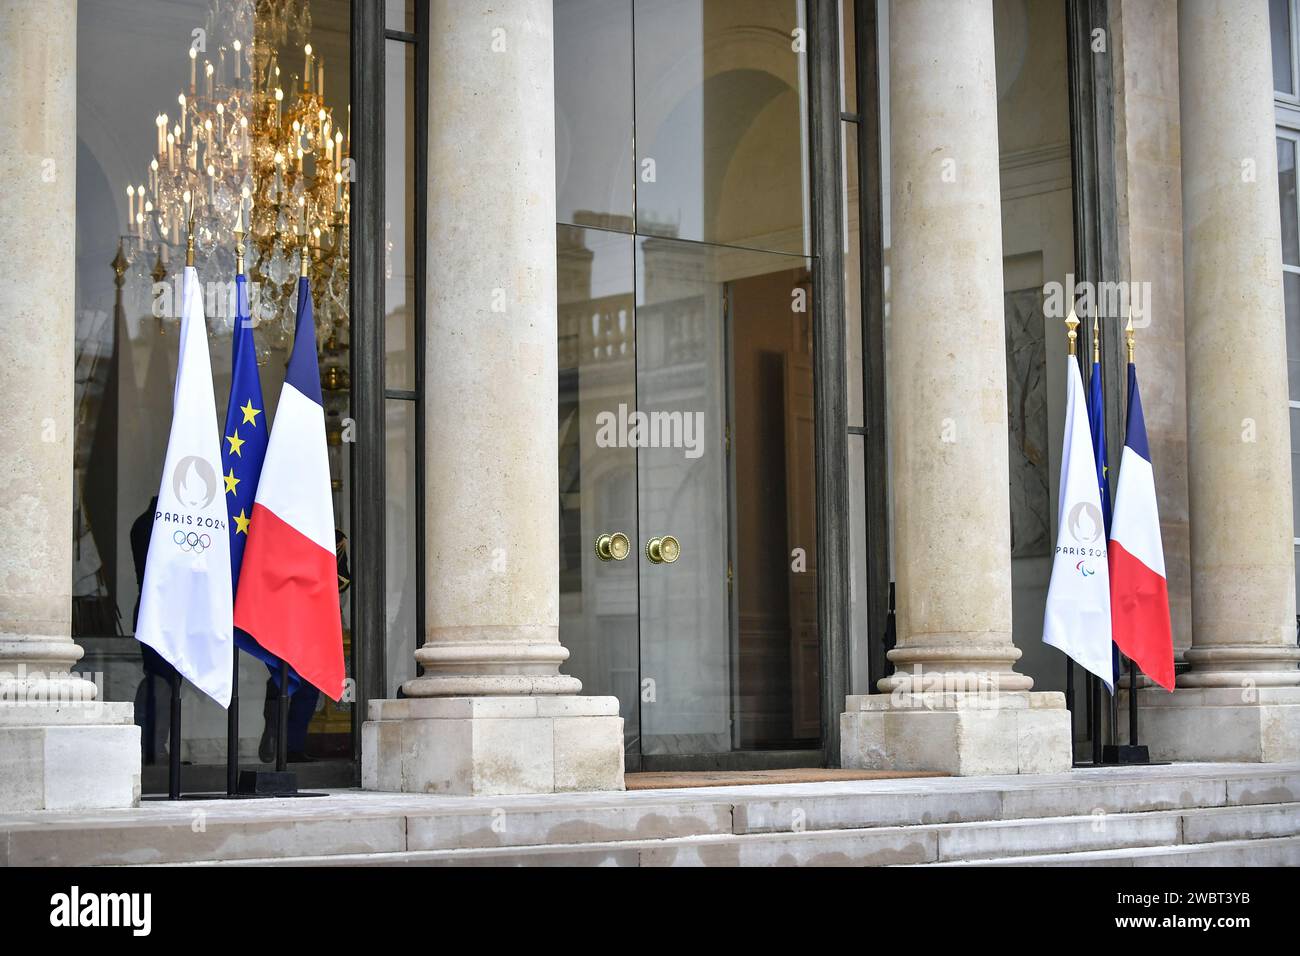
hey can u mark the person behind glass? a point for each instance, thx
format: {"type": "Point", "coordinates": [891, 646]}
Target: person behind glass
{"type": "Point", "coordinates": [304, 698]}
{"type": "Point", "coordinates": [149, 701]}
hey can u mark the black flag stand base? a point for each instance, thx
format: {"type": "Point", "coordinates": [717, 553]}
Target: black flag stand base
{"type": "Point", "coordinates": [1131, 752]}
{"type": "Point", "coordinates": [280, 782]}
{"type": "Point", "coordinates": [1125, 754]}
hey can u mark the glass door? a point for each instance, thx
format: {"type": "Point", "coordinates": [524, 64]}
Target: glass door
{"type": "Point", "coordinates": [687, 560]}
{"type": "Point", "coordinates": [599, 532]}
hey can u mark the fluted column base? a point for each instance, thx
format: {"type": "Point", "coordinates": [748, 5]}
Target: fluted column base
{"type": "Point", "coordinates": [994, 732]}
{"type": "Point", "coordinates": [492, 661]}
{"type": "Point", "coordinates": [493, 745]}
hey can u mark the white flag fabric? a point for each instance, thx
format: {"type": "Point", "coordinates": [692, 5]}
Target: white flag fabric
{"type": "Point", "coordinates": [185, 601]}
{"type": "Point", "coordinates": [1077, 619]}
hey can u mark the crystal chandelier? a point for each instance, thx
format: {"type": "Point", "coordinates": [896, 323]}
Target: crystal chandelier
{"type": "Point", "coordinates": [254, 140]}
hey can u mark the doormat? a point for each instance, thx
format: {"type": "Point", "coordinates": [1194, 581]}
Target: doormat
{"type": "Point", "coordinates": [743, 778]}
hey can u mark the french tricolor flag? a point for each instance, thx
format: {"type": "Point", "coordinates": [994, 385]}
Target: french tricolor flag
{"type": "Point", "coordinates": [288, 596]}
{"type": "Point", "coordinates": [1139, 596]}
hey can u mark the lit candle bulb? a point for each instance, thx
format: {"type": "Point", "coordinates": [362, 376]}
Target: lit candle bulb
{"type": "Point", "coordinates": [279, 97]}
{"type": "Point", "coordinates": [130, 209]}
{"type": "Point", "coordinates": [212, 185]}
{"type": "Point", "coordinates": [171, 151]}
{"type": "Point", "coordinates": [161, 123]}
{"type": "Point", "coordinates": [239, 59]}
{"type": "Point", "coordinates": [307, 68]}
{"type": "Point", "coordinates": [207, 74]}
{"type": "Point", "coordinates": [193, 62]}
{"type": "Point", "coordinates": [153, 176]}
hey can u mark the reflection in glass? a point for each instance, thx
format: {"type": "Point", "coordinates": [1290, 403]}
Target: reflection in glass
{"type": "Point", "coordinates": [593, 113]}
{"type": "Point", "coordinates": [399, 215]}
{"type": "Point", "coordinates": [597, 381]}
{"type": "Point", "coordinates": [721, 123]}
{"type": "Point", "coordinates": [1279, 14]}
{"type": "Point", "coordinates": [1286, 189]}
{"type": "Point", "coordinates": [729, 638]}
{"type": "Point", "coordinates": [403, 533]}
{"type": "Point", "coordinates": [1291, 289]}
{"type": "Point", "coordinates": [148, 129]}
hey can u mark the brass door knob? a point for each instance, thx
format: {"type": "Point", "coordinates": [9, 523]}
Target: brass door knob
{"type": "Point", "coordinates": [613, 547]}
{"type": "Point", "coordinates": [663, 550]}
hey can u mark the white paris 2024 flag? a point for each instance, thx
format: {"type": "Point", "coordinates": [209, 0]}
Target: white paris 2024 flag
{"type": "Point", "coordinates": [185, 602]}
{"type": "Point", "coordinates": [1077, 620]}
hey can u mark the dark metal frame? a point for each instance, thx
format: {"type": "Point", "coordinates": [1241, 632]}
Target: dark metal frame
{"type": "Point", "coordinates": [367, 338]}
{"type": "Point", "coordinates": [874, 429]}
{"type": "Point", "coordinates": [1092, 167]}
{"type": "Point", "coordinates": [830, 395]}
{"type": "Point", "coordinates": [1096, 240]}
{"type": "Point", "coordinates": [369, 388]}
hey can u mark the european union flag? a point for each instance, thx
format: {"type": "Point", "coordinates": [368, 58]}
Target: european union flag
{"type": "Point", "coordinates": [1097, 425]}
{"type": "Point", "coordinates": [243, 449]}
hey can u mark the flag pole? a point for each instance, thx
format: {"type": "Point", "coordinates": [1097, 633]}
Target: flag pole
{"type": "Point", "coordinates": [1112, 708]}
{"type": "Point", "coordinates": [1137, 753]}
{"type": "Point", "coordinates": [1072, 337]}
{"type": "Point", "coordinates": [174, 746]}
{"type": "Point", "coordinates": [232, 712]}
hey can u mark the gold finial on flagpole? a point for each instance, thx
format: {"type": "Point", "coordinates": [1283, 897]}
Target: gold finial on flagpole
{"type": "Point", "coordinates": [189, 240]}
{"type": "Point", "coordinates": [306, 249]}
{"type": "Point", "coordinates": [1072, 328]}
{"type": "Point", "coordinates": [1096, 340]}
{"type": "Point", "coordinates": [1128, 337]}
{"type": "Point", "coordinates": [239, 239]}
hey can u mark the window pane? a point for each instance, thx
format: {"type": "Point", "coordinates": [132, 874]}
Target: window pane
{"type": "Point", "coordinates": [852, 275]}
{"type": "Point", "coordinates": [859, 620]}
{"type": "Point", "coordinates": [134, 90]}
{"type": "Point", "coordinates": [1295, 465]}
{"type": "Point", "coordinates": [593, 113]}
{"type": "Point", "coordinates": [399, 15]}
{"type": "Point", "coordinates": [721, 114]}
{"type": "Point", "coordinates": [848, 58]}
{"type": "Point", "coordinates": [1291, 286]}
{"type": "Point", "coordinates": [402, 534]}
{"type": "Point", "coordinates": [1286, 190]}
{"type": "Point", "coordinates": [1279, 15]}
{"type": "Point", "coordinates": [597, 479]}
{"type": "Point", "coordinates": [399, 215]}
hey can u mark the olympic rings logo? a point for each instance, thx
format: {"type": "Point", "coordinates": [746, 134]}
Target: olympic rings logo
{"type": "Point", "coordinates": [192, 541]}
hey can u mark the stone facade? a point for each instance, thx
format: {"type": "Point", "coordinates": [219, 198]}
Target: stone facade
{"type": "Point", "coordinates": [491, 713]}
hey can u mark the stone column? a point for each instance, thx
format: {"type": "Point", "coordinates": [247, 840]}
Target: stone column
{"type": "Point", "coordinates": [955, 702]}
{"type": "Point", "coordinates": [1239, 700]}
{"type": "Point", "coordinates": [492, 713]}
{"type": "Point", "coordinates": [60, 747]}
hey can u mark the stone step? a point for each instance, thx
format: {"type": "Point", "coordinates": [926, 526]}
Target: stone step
{"type": "Point", "coordinates": [1275, 851]}
{"type": "Point", "coordinates": [1041, 838]}
{"type": "Point", "coordinates": [898, 821]}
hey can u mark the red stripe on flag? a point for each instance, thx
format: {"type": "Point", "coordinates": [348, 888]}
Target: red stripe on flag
{"type": "Point", "coordinates": [1139, 616]}
{"type": "Point", "coordinates": [289, 600]}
